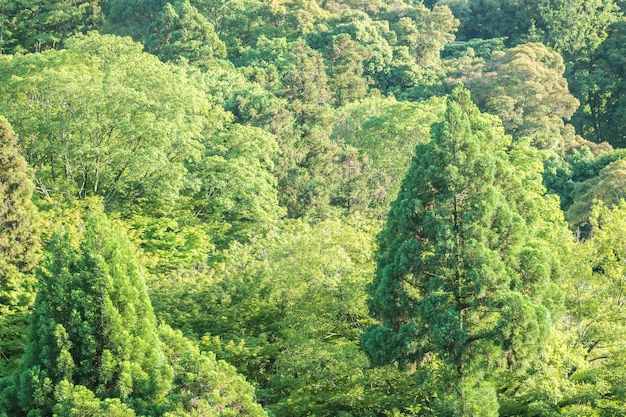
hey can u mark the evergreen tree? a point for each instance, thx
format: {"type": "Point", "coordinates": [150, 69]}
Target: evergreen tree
{"type": "Point", "coordinates": [18, 247]}
{"type": "Point", "coordinates": [92, 326]}
{"type": "Point", "coordinates": [180, 31]}
{"type": "Point", "coordinates": [461, 275]}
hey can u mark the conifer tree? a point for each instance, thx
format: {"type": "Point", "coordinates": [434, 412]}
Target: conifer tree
{"type": "Point", "coordinates": [18, 247]}
{"type": "Point", "coordinates": [460, 275]}
{"type": "Point", "coordinates": [92, 326]}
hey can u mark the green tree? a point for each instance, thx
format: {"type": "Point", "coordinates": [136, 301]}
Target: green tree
{"type": "Point", "coordinates": [488, 19]}
{"type": "Point", "coordinates": [311, 168]}
{"type": "Point", "coordinates": [419, 35]}
{"type": "Point", "coordinates": [525, 87]}
{"type": "Point", "coordinates": [345, 69]}
{"type": "Point", "coordinates": [462, 273]}
{"type": "Point", "coordinates": [204, 386]}
{"type": "Point", "coordinates": [287, 310]}
{"type": "Point", "coordinates": [237, 190]}
{"type": "Point", "coordinates": [131, 17]}
{"type": "Point", "coordinates": [181, 32]}
{"type": "Point", "coordinates": [584, 173]}
{"type": "Point", "coordinates": [34, 26]}
{"type": "Point", "coordinates": [78, 401]}
{"type": "Point", "coordinates": [374, 35]}
{"type": "Point", "coordinates": [7, 25]}
{"type": "Point", "coordinates": [576, 29]}
{"type": "Point", "coordinates": [607, 186]}
{"type": "Point", "coordinates": [581, 372]}
{"type": "Point", "coordinates": [19, 247]}
{"type": "Point", "coordinates": [105, 118]}
{"type": "Point", "coordinates": [92, 326]}
{"type": "Point", "coordinates": [386, 132]}
{"type": "Point", "coordinates": [602, 117]}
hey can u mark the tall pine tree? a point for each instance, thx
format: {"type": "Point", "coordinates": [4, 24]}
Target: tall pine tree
{"type": "Point", "coordinates": [461, 273]}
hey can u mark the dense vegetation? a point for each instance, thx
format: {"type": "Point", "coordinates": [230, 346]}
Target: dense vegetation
{"type": "Point", "coordinates": [312, 208]}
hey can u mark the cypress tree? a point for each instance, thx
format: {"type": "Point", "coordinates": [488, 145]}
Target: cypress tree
{"type": "Point", "coordinates": [460, 273]}
{"type": "Point", "coordinates": [92, 326]}
{"type": "Point", "coordinates": [19, 246]}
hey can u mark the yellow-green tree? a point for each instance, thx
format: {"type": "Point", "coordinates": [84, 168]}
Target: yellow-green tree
{"type": "Point", "coordinates": [19, 246]}
{"type": "Point", "coordinates": [92, 325]}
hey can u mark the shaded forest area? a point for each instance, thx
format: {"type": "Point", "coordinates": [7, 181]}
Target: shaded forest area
{"type": "Point", "coordinates": [312, 208]}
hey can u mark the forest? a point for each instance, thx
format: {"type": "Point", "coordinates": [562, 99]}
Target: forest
{"type": "Point", "coordinates": [289, 208]}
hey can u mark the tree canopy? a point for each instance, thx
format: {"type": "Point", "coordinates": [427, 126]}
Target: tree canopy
{"type": "Point", "coordinates": [191, 190]}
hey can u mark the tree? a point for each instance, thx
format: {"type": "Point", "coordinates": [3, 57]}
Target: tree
{"type": "Point", "coordinates": [373, 35]}
{"type": "Point", "coordinates": [180, 31]}
{"type": "Point", "coordinates": [576, 29]}
{"type": "Point", "coordinates": [386, 131]}
{"type": "Point", "coordinates": [19, 247]}
{"type": "Point", "coordinates": [131, 17]}
{"type": "Point", "coordinates": [92, 325]}
{"type": "Point", "coordinates": [525, 87]}
{"type": "Point", "coordinates": [345, 69]}
{"type": "Point", "coordinates": [602, 118]}
{"type": "Point", "coordinates": [488, 19]}
{"type": "Point", "coordinates": [462, 271]}
{"type": "Point", "coordinates": [581, 372]}
{"type": "Point", "coordinates": [607, 186]}
{"type": "Point", "coordinates": [35, 26]}
{"type": "Point", "coordinates": [93, 106]}
{"type": "Point", "coordinates": [204, 386]}
{"type": "Point", "coordinates": [237, 189]}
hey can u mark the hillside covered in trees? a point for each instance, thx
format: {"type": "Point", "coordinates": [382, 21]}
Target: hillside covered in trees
{"type": "Point", "coordinates": [382, 208]}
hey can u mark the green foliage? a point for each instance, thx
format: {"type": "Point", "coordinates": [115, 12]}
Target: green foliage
{"type": "Point", "coordinates": [84, 113]}
{"type": "Point", "coordinates": [78, 401]}
{"type": "Point", "coordinates": [314, 172]}
{"type": "Point", "coordinates": [254, 228]}
{"type": "Point", "coordinates": [237, 190]}
{"type": "Point", "coordinates": [181, 32]}
{"type": "Point", "coordinates": [607, 187]}
{"type": "Point", "coordinates": [345, 68]}
{"type": "Point", "coordinates": [601, 118]}
{"type": "Point", "coordinates": [525, 87]}
{"type": "Point", "coordinates": [288, 313]}
{"type": "Point", "coordinates": [204, 386]}
{"type": "Point", "coordinates": [581, 373]}
{"type": "Point", "coordinates": [461, 273]}
{"type": "Point", "coordinates": [132, 17]}
{"type": "Point", "coordinates": [92, 326]}
{"type": "Point", "coordinates": [577, 29]}
{"type": "Point", "coordinates": [488, 19]}
{"type": "Point", "coordinates": [482, 48]}
{"type": "Point", "coordinates": [19, 247]}
{"type": "Point", "coordinates": [386, 132]}
{"type": "Point", "coordinates": [34, 26]}
{"type": "Point", "coordinates": [581, 176]}
{"type": "Point", "coordinates": [169, 244]}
